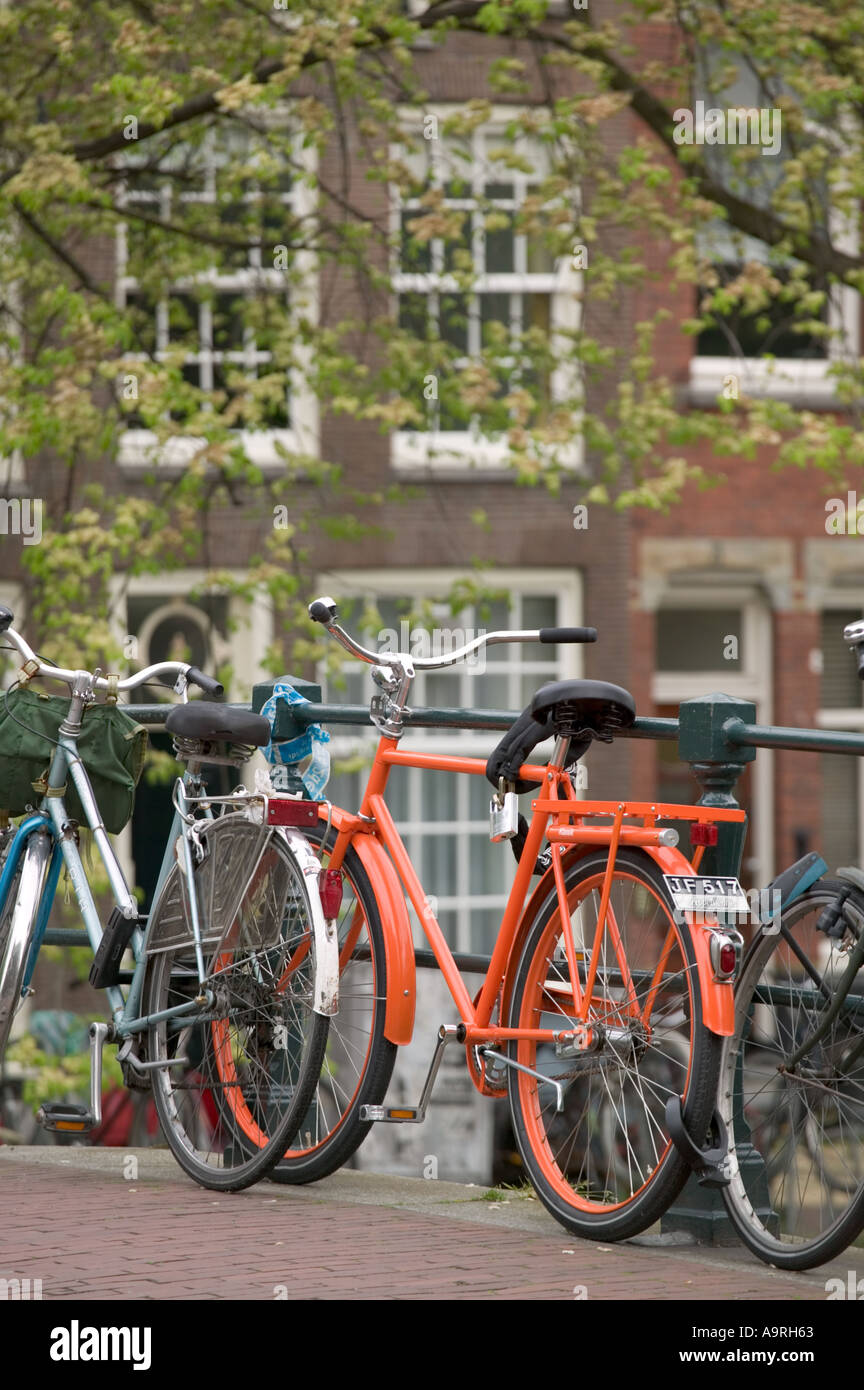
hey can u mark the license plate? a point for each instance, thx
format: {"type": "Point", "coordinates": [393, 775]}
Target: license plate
{"type": "Point", "coordinates": [701, 893]}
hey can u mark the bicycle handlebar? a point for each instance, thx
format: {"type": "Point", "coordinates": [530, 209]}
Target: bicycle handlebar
{"type": "Point", "coordinates": [161, 668]}
{"type": "Point", "coordinates": [324, 611]}
{"type": "Point", "coordinates": [208, 684]}
{"type": "Point", "coordinates": [567, 634]}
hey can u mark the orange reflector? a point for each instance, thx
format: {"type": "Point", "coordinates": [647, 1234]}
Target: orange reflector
{"type": "Point", "coordinates": [401, 1114]}
{"type": "Point", "coordinates": [77, 1125]}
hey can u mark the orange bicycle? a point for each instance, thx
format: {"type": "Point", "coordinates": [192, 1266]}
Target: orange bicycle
{"type": "Point", "coordinates": [610, 986]}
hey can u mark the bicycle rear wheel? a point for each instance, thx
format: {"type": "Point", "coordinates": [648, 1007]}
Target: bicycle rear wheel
{"type": "Point", "coordinates": [235, 1075]}
{"type": "Point", "coordinates": [797, 1199]}
{"type": "Point", "coordinates": [17, 921]}
{"type": "Point", "coordinates": [359, 1059]}
{"type": "Point", "coordinates": [605, 1166]}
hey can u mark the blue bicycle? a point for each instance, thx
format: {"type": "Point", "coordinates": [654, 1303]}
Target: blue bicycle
{"type": "Point", "coordinates": [225, 1011]}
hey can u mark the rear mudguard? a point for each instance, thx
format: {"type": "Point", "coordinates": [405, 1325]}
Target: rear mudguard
{"type": "Point", "coordinates": [718, 996]}
{"type": "Point", "coordinates": [326, 986]}
{"type": "Point", "coordinates": [398, 941]}
{"type": "Point", "coordinates": [718, 1004]}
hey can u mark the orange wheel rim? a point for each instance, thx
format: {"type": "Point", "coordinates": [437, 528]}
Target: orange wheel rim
{"type": "Point", "coordinates": [227, 1070]}
{"type": "Point", "coordinates": [529, 1090]}
{"type": "Point", "coordinates": [294, 963]}
{"type": "Point", "coordinates": [354, 934]}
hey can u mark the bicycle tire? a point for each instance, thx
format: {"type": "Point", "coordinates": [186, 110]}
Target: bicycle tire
{"type": "Point", "coordinates": [611, 1180]}
{"type": "Point", "coordinates": [332, 1130]}
{"type": "Point", "coordinates": [797, 1198]}
{"type": "Point", "coordinates": [17, 922]}
{"type": "Point", "coordinates": [252, 1061]}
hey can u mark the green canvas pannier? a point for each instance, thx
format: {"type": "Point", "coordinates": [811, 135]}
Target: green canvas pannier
{"type": "Point", "coordinates": [111, 745]}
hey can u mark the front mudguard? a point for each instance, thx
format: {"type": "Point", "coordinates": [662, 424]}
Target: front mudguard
{"type": "Point", "coordinates": [718, 996]}
{"type": "Point", "coordinates": [398, 940]}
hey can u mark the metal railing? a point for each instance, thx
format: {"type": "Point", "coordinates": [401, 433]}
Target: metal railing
{"type": "Point", "coordinates": [716, 734]}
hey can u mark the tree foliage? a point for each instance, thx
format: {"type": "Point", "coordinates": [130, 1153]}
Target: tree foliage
{"type": "Point", "coordinates": [205, 136]}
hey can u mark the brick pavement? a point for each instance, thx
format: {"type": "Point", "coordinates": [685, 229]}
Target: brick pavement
{"type": "Point", "coordinates": [70, 1219]}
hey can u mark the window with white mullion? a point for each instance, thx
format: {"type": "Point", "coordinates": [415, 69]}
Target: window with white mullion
{"type": "Point", "coordinates": [772, 348]}
{"type": "Point", "coordinates": [205, 356]}
{"type": "Point", "coordinates": [511, 285]}
{"type": "Point", "coordinates": [841, 707]}
{"type": "Point", "coordinates": [219, 344]}
{"type": "Point", "coordinates": [443, 817]}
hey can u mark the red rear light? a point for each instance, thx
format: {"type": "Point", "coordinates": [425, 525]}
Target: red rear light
{"type": "Point", "coordinates": [703, 833]}
{"type": "Point", "coordinates": [724, 956]}
{"type": "Point", "coordinates": [728, 959]}
{"type": "Point", "coordinates": [330, 889]}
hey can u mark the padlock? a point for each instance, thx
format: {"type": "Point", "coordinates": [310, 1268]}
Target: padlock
{"type": "Point", "coordinates": [503, 814]}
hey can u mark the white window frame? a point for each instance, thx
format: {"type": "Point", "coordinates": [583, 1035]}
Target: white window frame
{"type": "Point", "coordinates": [849, 720]}
{"type": "Point", "coordinates": [464, 453]}
{"type": "Point", "coordinates": [250, 623]}
{"type": "Point", "coordinates": [835, 716]}
{"type": "Point", "coordinates": [11, 596]}
{"type": "Point", "coordinates": [12, 468]}
{"type": "Point", "coordinates": [250, 633]}
{"type": "Point", "coordinates": [378, 584]}
{"type": "Point", "coordinates": [556, 9]}
{"type": "Point", "coordinates": [139, 448]}
{"type": "Point", "coordinates": [753, 682]}
{"type": "Point", "coordinates": [801, 381]}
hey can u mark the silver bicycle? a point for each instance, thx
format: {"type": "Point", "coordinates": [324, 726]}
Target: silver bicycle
{"type": "Point", "coordinates": [225, 1011]}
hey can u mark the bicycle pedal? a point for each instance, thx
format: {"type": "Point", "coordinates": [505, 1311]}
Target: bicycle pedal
{"type": "Point", "coordinates": [69, 1119]}
{"type": "Point", "coordinates": [391, 1114]}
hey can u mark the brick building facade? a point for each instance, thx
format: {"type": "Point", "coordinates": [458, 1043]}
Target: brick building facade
{"type": "Point", "coordinates": [738, 588]}
{"type": "Point", "coordinates": [751, 554]}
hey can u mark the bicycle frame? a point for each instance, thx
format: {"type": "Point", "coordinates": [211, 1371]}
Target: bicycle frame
{"type": "Point", "coordinates": [374, 822]}
{"type": "Point", "coordinates": [52, 819]}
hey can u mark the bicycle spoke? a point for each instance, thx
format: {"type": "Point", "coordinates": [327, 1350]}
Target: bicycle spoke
{"type": "Point", "coordinates": [609, 1144]}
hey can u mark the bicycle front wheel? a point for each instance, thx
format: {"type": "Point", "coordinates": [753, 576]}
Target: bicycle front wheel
{"type": "Point", "coordinates": [604, 1166]}
{"type": "Point", "coordinates": [359, 1059]}
{"type": "Point", "coordinates": [17, 922]}
{"type": "Point", "coordinates": [233, 1076]}
{"type": "Point", "coordinates": [794, 1101]}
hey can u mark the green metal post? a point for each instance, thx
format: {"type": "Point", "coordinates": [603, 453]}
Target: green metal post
{"type": "Point", "coordinates": [287, 727]}
{"type": "Point", "coordinates": [716, 764]}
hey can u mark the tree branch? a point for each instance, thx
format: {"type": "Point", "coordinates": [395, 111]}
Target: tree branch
{"type": "Point", "coordinates": [61, 253]}
{"type": "Point", "coordinates": [759, 222]}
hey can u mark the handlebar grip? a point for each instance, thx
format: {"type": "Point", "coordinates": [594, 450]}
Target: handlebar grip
{"type": "Point", "coordinates": [323, 610]}
{"type": "Point", "coordinates": [208, 684]}
{"type": "Point", "coordinates": [7, 618]}
{"type": "Point", "coordinates": [568, 634]}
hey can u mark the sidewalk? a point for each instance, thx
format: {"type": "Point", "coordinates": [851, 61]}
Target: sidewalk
{"type": "Point", "coordinates": [115, 1224]}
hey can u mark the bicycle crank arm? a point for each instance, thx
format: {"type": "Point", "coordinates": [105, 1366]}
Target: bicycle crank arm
{"type": "Point", "coordinates": [414, 1114]}
{"type": "Point", "coordinates": [78, 1119]}
{"type": "Point", "coordinates": [518, 1066]}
